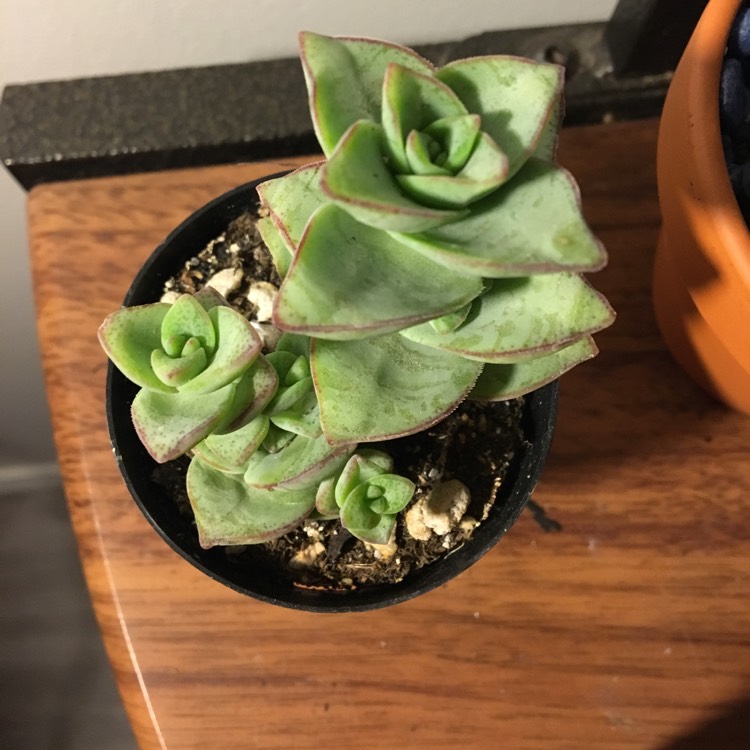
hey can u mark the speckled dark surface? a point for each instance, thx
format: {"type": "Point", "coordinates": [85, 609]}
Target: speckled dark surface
{"type": "Point", "coordinates": [230, 113]}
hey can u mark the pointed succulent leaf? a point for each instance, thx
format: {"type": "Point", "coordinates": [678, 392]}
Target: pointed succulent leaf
{"type": "Point", "coordinates": [372, 463]}
{"type": "Point", "coordinates": [546, 147]}
{"type": "Point", "coordinates": [277, 439]}
{"type": "Point", "coordinates": [395, 493]}
{"type": "Point", "coordinates": [299, 370]}
{"type": "Point", "coordinates": [457, 137]}
{"type": "Point", "coordinates": [292, 200]}
{"type": "Point", "coordinates": [325, 501]}
{"type": "Point", "coordinates": [213, 460]}
{"type": "Point", "coordinates": [422, 152]}
{"type": "Point", "coordinates": [531, 225]}
{"type": "Point", "coordinates": [356, 512]}
{"type": "Point", "coordinates": [208, 297]}
{"type": "Point", "coordinates": [363, 522]}
{"type": "Point", "coordinates": [303, 422]}
{"type": "Point", "coordinates": [255, 388]}
{"type": "Point", "coordinates": [357, 178]}
{"type": "Point", "coordinates": [282, 362]}
{"type": "Point", "coordinates": [295, 344]}
{"type": "Point", "coordinates": [411, 101]}
{"type": "Point", "coordinates": [485, 170]}
{"type": "Point", "coordinates": [523, 318]}
{"type": "Point", "coordinates": [128, 336]}
{"type": "Point", "coordinates": [237, 346]}
{"type": "Point", "coordinates": [399, 387]}
{"type": "Point", "coordinates": [502, 382]}
{"type": "Point", "coordinates": [176, 371]}
{"type": "Point", "coordinates": [231, 451]}
{"type": "Point", "coordinates": [290, 396]}
{"type": "Point", "coordinates": [515, 97]}
{"type": "Point", "coordinates": [170, 424]}
{"type": "Point", "coordinates": [371, 285]}
{"type": "Point", "coordinates": [302, 463]}
{"type": "Point", "coordinates": [281, 254]}
{"type": "Point", "coordinates": [451, 321]}
{"type": "Point", "coordinates": [184, 320]}
{"type": "Point", "coordinates": [228, 511]}
{"type": "Point", "coordinates": [363, 465]}
{"type": "Point", "coordinates": [344, 79]}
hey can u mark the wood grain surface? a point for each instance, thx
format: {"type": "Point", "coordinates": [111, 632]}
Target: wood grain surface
{"type": "Point", "coordinates": [629, 628]}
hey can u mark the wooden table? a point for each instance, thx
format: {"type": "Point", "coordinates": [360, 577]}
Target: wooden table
{"type": "Point", "coordinates": [629, 628]}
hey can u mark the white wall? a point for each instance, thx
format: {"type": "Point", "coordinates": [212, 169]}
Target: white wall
{"type": "Point", "coordinates": [57, 39]}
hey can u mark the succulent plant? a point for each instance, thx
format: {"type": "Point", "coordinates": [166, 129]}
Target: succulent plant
{"type": "Point", "coordinates": [366, 495]}
{"type": "Point", "coordinates": [435, 254]}
{"type": "Point", "coordinates": [197, 363]}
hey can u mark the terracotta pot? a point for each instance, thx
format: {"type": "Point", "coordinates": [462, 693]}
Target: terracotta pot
{"type": "Point", "coordinates": [701, 286]}
{"type": "Point", "coordinates": [267, 584]}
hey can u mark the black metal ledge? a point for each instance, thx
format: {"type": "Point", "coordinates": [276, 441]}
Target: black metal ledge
{"type": "Point", "coordinates": [230, 113]}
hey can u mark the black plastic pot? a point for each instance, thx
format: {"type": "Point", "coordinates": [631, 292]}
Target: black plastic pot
{"type": "Point", "coordinates": [136, 466]}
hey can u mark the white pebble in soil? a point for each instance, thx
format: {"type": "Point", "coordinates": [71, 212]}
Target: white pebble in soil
{"type": "Point", "coordinates": [226, 281]}
{"type": "Point", "coordinates": [440, 511]}
{"type": "Point", "coordinates": [262, 295]}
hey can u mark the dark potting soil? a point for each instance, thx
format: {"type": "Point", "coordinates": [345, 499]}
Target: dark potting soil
{"type": "Point", "coordinates": [475, 445]}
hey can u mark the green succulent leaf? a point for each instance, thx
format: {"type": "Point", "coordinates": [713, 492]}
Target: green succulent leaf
{"type": "Point", "coordinates": [128, 336]}
{"type": "Point", "coordinates": [457, 137]}
{"type": "Point", "coordinates": [228, 511]}
{"type": "Point", "coordinates": [255, 388]}
{"type": "Point", "coordinates": [522, 318]}
{"type": "Point", "coordinates": [325, 501]}
{"type": "Point", "coordinates": [237, 347]}
{"type": "Point", "coordinates": [451, 321]}
{"type": "Point", "coordinates": [395, 493]}
{"type": "Point", "coordinates": [344, 79]}
{"type": "Point", "coordinates": [277, 439]}
{"type": "Point", "coordinates": [303, 462]}
{"type": "Point", "coordinates": [546, 147]}
{"type": "Point", "coordinates": [371, 285]}
{"type": "Point", "coordinates": [516, 99]}
{"type": "Point", "coordinates": [357, 177]}
{"type": "Point", "coordinates": [502, 382]}
{"type": "Point", "coordinates": [295, 395]}
{"type": "Point", "coordinates": [485, 170]}
{"type": "Point", "coordinates": [230, 451]}
{"type": "Point", "coordinates": [411, 101]}
{"type": "Point", "coordinates": [363, 522]}
{"type": "Point", "coordinates": [305, 423]}
{"type": "Point", "coordinates": [422, 154]}
{"type": "Point", "coordinates": [170, 424]}
{"type": "Point", "coordinates": [187, 319]}
{"type": "Point", "coordinates": [386, 387]}
{"type": "Point", "coordinates": [531, 225]}
{"type": "Point", "coordinates": [292, 200]}
{"type": "Point", "coordinates": [176, 371]}
{"type": "Point", "coordinates": [295, 344]}
{"type": "Point", "coordinates": [273, 239]}
{"type": "Point", "coordinates": [356, 512]}
{"type": "Point", "coordinates": [209, 298]}
{"type": "Point", "coordinates": [365, 464]}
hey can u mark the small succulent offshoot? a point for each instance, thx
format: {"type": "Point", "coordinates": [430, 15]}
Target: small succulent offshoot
{"type": "Point", "coordinates": [434, 254]}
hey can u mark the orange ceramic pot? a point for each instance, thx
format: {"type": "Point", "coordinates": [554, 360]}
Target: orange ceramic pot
{"type": "Point", "coordinates": [701, 286]}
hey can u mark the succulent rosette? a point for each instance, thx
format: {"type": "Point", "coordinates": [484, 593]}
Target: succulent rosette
{"type": "Point", "coordinates": [198, 367]}
{"type": "Point", "coordinates": [436, 252]}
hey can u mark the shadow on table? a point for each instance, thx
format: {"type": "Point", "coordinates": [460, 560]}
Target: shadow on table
{"type": "Point", "coordinates": [729, 730]}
